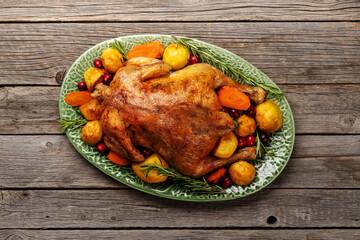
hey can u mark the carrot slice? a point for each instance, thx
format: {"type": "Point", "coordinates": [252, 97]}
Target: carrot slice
{"type": "Point", "coordinates": [78, 98]}
{"type": "Point", "coordinates": [216, 176]}
{"type": "Point", "coordinates": [233, 98]}
{"type": "Point", "coordinates": [150, 50]}
{"type": "Point", "coordinates": [115, 158]}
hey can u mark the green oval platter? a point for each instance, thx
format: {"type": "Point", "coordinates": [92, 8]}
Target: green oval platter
{"type": "Point", "coordinates": [267, 169]}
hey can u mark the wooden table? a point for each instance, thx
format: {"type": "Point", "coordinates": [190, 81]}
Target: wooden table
{"type": "Point", "coordinates": [311, 49]}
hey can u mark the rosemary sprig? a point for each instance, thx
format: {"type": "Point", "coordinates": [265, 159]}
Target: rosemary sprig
{"type": "Point", "coordinates": [228, 69]}
{"type": "Point", "coordinates": [73, 124]}
{"type": "Point", "coordinates": [260, 148]}
{"type": "Point", "coordinates": [200, 186]}
{"type": "Point", "coordinates": [120, 47]}
{"type": "Point", "coordinates": [237, 124]}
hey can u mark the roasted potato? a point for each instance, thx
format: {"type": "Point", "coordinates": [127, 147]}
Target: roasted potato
{"type": "Point", "coordinates": [153, 176]}
{"type": "Point", "coordinates": [242, 173]}
{"type": "Point", "coordinates": [247, 125]}
{"type": "Point", "coordinates": [268, 116]}
{"type": "Point", "coordinates": [226, 146]}
{"type": "Point", "coordinates": [92, 133]}
{"type": "Point", "coordinates": [93, 76]}
{"type": "Point", "coordinates": [91, 110]}
{"type": "Point", "coordinates": [112, 60]}
{"type": "Point", "coordinates": [176, 55]}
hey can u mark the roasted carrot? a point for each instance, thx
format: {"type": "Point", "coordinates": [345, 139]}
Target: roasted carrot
{"type": "Point", "coordinates": [78, 98]}
{"type": "Point", "coordinates": [150, 50]}
{"type": "Point", "coordinates": [216, 176]}
{"type": "Point", "coordinates": [233, 98]}
{"type": "Point", "coordinates": [115, 158]}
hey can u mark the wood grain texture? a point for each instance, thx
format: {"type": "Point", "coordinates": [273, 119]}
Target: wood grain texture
{"type": "Point", "coordinates": [177, 234]}
{"type": "Point", "coordinates": [317, 109]}
{"type": "Point", "coordinates": [289, 53]}
{"type": "Point", "coordinates": [123, 208]}
{"type": "Point", "coordinates": [185, 10]}
{"type": "Point", "coordinates": [50, 161]}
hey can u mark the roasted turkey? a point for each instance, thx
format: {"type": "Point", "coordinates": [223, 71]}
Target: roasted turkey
{"type": "Point", "coordinates": [177, 115]}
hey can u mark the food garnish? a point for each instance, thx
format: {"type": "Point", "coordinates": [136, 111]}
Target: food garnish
{"type": "Point", "coordinates": [97, 63]}
{"type": "Point", "coordinates": [204, 54]}
{"type": "Point", "coordinates": [93, 76]}
{"type": "Point", "coordinates": [115, 158]}
{"type": "Point", "coordinates": [71, 124]}
{"type": "Point", "coordinates": [112, 60]}
{"type": "Point", "coordinates": [177, 56]}
{"type": "Point", "coordinates": [92, 133]}
{"type": "Point", "coordinates": [150, 50]}
{"type": "Point", "coordinates": [260, 145]}
{"type": "Point", "coordinates": [233, 98]}
{"type": "Point", "coordinates": [242, 173]}
{"type": "Point", "coordinates": [151, 176]}
{"type": "Point", "coordinates": [101, 148]}
{"type": "Point", "coordinates": [82, 86]}
{"type": "Point", "coordinates": [226, 146]}
{"type": "Point", "coordinates": [195, 185]}
{"type": "Point", "coordinates": [268, 116]}
{"type": "Point", "coordinates": [120, 47]}
{"type": "Point", "coordinates": [76, 99]}
{"type": "Point", "coordinates": [246, 126]}
{"type": "Point", "coordinates": [216, 176]}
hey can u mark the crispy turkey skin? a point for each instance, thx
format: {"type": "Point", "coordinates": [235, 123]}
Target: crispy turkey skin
{"type": "Point", "coordinates": [177, 115]}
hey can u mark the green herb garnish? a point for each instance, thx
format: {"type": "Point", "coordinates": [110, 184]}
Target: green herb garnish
{"type": "Point", "coordinates": [204, 54]}
{"type": "Point", "coordinates": [236, 126]}
{"type": "Point", "coordinates": [73, 124]}
{"type": "Point", "coordinates": [200, 186]}
{"type": "Point", "coordinates": [120, 47]}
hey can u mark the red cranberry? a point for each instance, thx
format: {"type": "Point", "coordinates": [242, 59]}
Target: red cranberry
{"type": "Point", "coordinates": [82, 86]}
{"type": "Point", "coordinates": [226, 182]}
{"type": "Point", "coordinates": [250, 140]}
{"type": "Point", "coordinates": [97, 63]}
{"type": "Point", "coordinates": [234, 113]}
{"type": "Point", "coordinates": [107, 79]}
{"type": "Point", "coordinates": [146, 152]}
{"type": "Point", "coordinates": [225, 109]}
{"type": "Point", "coordinates": [251, 111]}
{"type": "Point", "coordinates": [194, 59]}
{"type": "Point", "coordinates": [101, 148]}
{"type": "Point", "coordinates": [242, 142]}
{"type": "Point", "coordinates": [264, 138]}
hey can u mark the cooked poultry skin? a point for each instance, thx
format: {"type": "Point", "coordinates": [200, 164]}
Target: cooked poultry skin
{"type": "Point", "coordinates": [177, 115]}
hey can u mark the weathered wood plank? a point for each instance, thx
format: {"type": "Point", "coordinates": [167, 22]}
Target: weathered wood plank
{"type": "Point", "coordinates": [33, 109]}
{"type": "Point", "coordinates": [317, 162]}
{"type": "Point", "coordinates": [292, 208]}
{"type": "Point", "coordinates": [186, 10]}
{"type": "Point", "coordinates": [191, 234]}
{"type": "Point", "coordinates": [295, 53]}
{"type": "Point", "coordinates": [316, 109]}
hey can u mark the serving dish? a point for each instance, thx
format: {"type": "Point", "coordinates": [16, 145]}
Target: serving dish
{"type": "Point", "coordinates": [267, 168]}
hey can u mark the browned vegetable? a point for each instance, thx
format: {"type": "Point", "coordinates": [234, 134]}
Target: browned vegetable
{"type": "Point", "coordinates": [226, 146]}
{"type": "Point", "coordinates": [91, 110]}
{"type": "Point", "coordinates": [92, 133]}
{"type": "Point", "coordinates": [153, 176]}
{"type": "Point", "coordinates": [269, 116]}
{"type": "Point", "coordinates": [149, 50]}
{"type": "Point", "coordinates": [112, 60]}
{"type": "Point", "coordinates": [93, 76]}
{"type": "Point", "coordinates": [247, 125]}
{"type": "Point", "coordinates": [78, 98]}
{"type": "Point", "coordinates": [216, 176]}
{"type": "Point", "coordinates": [242, 173]}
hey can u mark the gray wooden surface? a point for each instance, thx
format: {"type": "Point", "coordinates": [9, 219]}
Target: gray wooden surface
{"type": "Point", "coordinates": [311, 49]}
